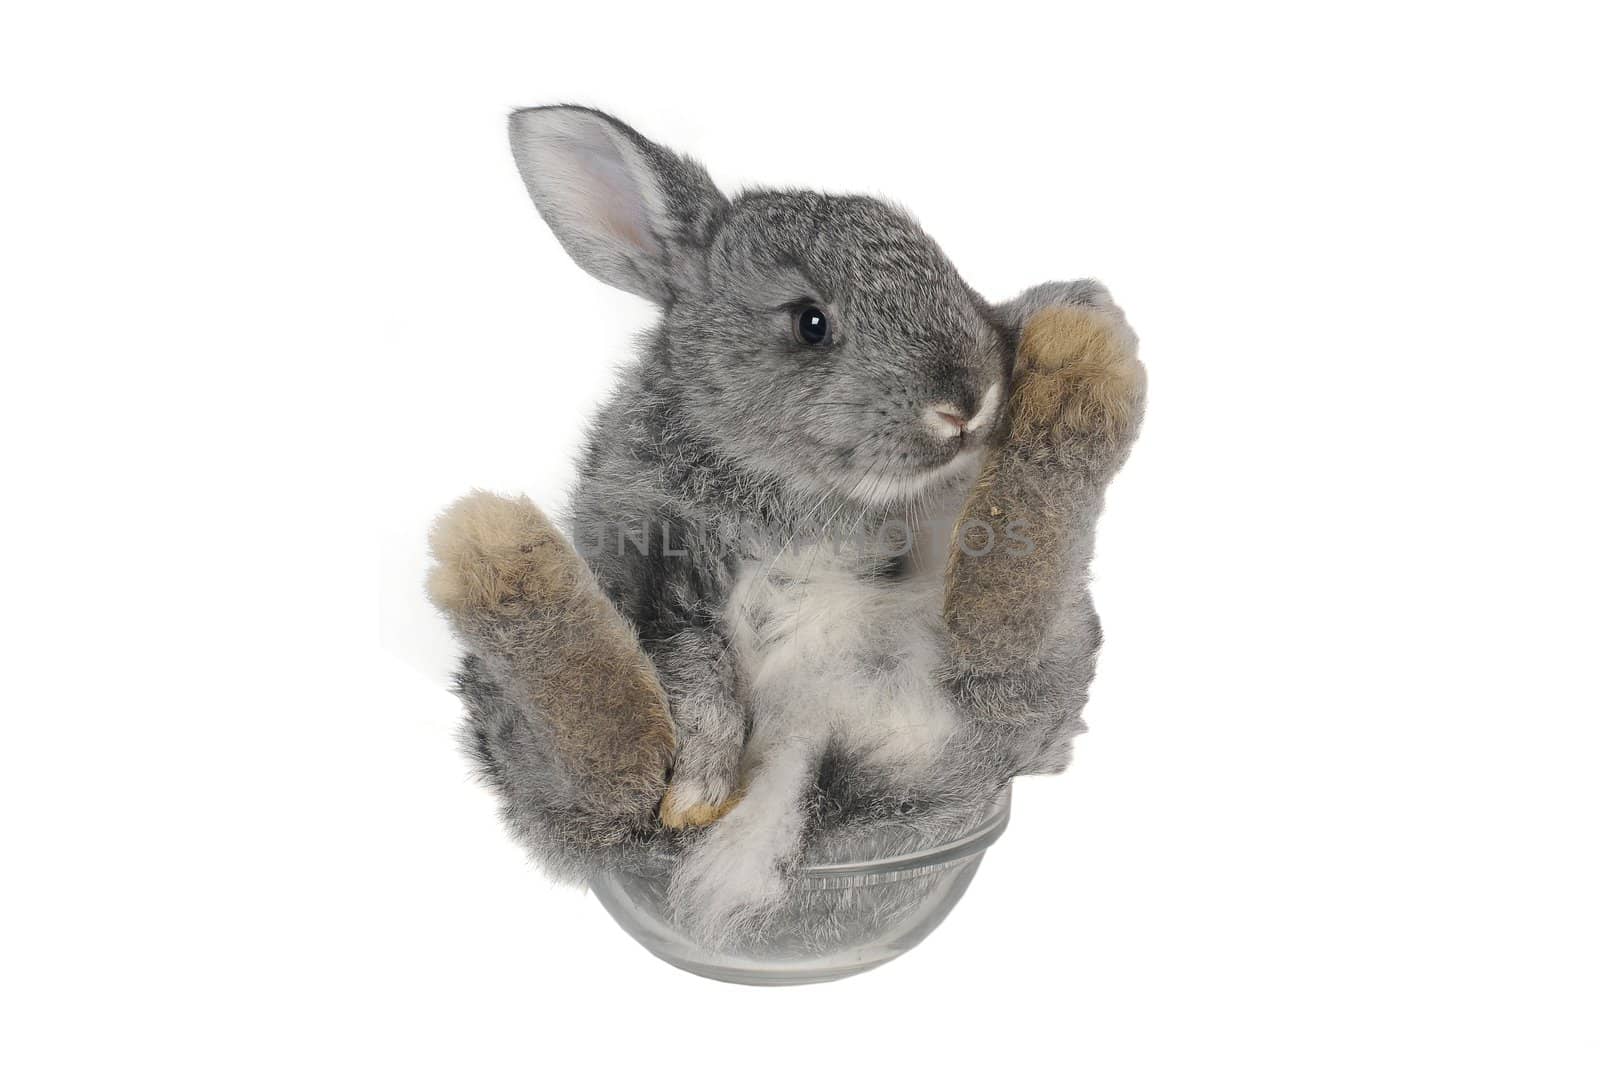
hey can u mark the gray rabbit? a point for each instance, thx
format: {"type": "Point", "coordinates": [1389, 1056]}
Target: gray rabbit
{"type": "Point", "coordinates": [825, 573]}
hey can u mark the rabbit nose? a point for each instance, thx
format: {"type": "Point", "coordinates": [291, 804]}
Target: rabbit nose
{"type": "Point", "coordinates": [947, 420]}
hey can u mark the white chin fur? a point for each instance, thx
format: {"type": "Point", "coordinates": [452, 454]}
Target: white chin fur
{"type": "Point", "coordinates": [892, 490]}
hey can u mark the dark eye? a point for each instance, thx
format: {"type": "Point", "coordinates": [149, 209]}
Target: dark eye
{"type": "Point", "coordinates": [811, 326]}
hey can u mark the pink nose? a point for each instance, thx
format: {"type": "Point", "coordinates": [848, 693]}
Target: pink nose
{"type": "Point", "coordinates": [952, 416]}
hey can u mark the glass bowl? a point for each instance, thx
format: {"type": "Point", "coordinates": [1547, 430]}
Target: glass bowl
{"type": "Point", "coordinates": [843, 918]}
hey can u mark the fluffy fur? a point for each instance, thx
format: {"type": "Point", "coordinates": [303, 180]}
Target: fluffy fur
{"type": "Point", "coordinates": [774, 522]}
{"type": "Point", "coordinates": [530, 610]}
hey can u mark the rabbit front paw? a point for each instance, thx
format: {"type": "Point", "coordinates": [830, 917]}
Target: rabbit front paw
{"type": "Point", "coordinates": [705, 772]}
{"type": "Point", "coordinates": [695, 800]}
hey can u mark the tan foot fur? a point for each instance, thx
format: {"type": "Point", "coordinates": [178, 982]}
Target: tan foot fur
{"type": "Point", "coordinates": [1077, 370]}
{"type": "Point", "coordinates": [1076, 397]}
{"type": "Point", "coordinates": [518, 593]}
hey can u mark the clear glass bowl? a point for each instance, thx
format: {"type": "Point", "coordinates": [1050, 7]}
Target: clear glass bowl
{"type": "Point", "coordinates": [844, 917]}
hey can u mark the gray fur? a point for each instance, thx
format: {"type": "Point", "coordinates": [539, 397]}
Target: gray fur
{"type": "Point", "coordinates": [746, 448]}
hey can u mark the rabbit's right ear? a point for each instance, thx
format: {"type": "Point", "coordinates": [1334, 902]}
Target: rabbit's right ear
{"type": "Point", "coordinates": [630, 212]}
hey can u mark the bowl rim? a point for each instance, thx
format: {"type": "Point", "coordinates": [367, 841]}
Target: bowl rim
{"type": "Point", "coordinates": [971, 843]}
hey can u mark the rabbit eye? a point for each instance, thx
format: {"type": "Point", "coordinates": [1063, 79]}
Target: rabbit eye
{"type": "Point", "coordinates": [811, 326]}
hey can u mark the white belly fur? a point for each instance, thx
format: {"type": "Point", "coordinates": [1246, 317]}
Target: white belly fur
{"type": "Point", "coordinates": [827, 655]}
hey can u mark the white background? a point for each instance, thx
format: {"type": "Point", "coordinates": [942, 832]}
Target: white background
{"type": "Point", "coordinates": [273, 295]}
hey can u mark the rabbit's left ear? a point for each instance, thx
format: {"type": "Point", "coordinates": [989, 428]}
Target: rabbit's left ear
{"type": "Point", "coordinates": [630, 212]}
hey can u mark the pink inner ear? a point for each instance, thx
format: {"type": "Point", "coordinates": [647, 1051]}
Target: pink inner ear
{"type": "Point", "coordinates": [617, 202]}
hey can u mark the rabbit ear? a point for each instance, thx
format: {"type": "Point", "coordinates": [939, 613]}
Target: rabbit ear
{"type": "Point", "coordinates": [630, 212]}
